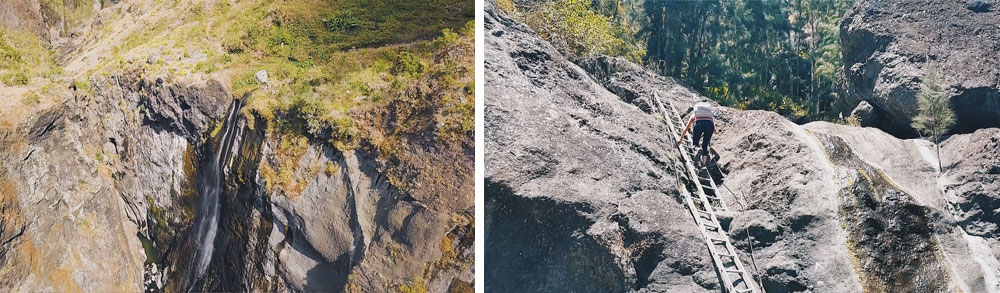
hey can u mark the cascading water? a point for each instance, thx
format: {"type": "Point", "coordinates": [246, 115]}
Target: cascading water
{"type": "Point", "coordinates": [211, 186]}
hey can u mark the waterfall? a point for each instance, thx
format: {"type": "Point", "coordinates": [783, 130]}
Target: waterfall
{"type": "Point", "coordinates": [212, 184]}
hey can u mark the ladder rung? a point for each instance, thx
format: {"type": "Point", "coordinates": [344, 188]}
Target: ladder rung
{"type": "Point", "coordinates": [726, 255]}
{"type": "Point", "coordinates": [743, 290]}
{"type": "Point", "coordinates": [734, 271]}
{"type": "Point", "coordinates": [717, 239]}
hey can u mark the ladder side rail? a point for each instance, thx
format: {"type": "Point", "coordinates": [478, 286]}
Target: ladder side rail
{"type": "Point", "coordinates": [719, 264]}
{"type": "Point", "coordinates": [721, 268]}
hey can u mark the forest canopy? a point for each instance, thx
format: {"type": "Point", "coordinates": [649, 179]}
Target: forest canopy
{"type": "Point", "coordinates": [780, 55]}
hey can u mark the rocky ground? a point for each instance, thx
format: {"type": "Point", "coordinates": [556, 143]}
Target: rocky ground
{"type": "Point", "coordinates": [887, 46]}
{"type": "Point", "coordinates": [100, 179]}
{"type": "Point", "coordinates": [581, 184]}
{"type": "Point", "coordinates": [556, 218]}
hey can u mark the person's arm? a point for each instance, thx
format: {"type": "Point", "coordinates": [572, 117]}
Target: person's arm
{"type": "Point", "coordinates": [686, 128]}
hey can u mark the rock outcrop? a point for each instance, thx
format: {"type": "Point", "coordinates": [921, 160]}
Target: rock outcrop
{"type": "Point", "coordinates": [582, 189]}
{"type": "Point", "coordinates": [575, 180]}
{"type": "Point", "coordinates": [130, 166]}
{"type": "Point", "coordinates": [114, 174]}
{"type": "Point", "coordinates": [888, 45]}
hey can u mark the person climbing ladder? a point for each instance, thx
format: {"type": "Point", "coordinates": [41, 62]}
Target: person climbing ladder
{"type": "Point", "coordinates": [702, 118]}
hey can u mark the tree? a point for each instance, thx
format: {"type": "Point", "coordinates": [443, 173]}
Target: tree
{"type": "Point", "coordinates": [936, 115]}
{"type": "Point", "coordinates": [779, 55]}
{"type": "Point", "coordinates": [577, 29]}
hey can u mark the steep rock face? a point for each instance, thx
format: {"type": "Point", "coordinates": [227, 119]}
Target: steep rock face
{"type": "Point", "coordinates": [23, 15]}
{"type": "Point", "coordinates": [581, 186]}
{"type": "Point", "coordinates": [114, 174]}
{"type": "Point", "coordinates": [889, 44]}
{"type": "Point", "coordinates": [369, 237]}
{"type": "Point", "coordinates": [972, 184]}
{"type": "Point", "coordinates": [825, 207]}
{"type": "Point", "coordinates": [94, 173]}
{"type": "Point", "coordinates": [633, 84]}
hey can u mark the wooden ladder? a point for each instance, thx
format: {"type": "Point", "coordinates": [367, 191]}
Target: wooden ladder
{"type": "Point", "coordinates": [703, 201]}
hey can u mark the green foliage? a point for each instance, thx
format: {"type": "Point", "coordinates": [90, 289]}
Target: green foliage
{"type": "Point", "coordinates": [71, 11]}
{"type": "Point", "coordinates": [22, 57]}
{"type": "Point", "coordinates": [244, 84]}
{"type": "Point", "coordinates": [935, 116]}
{"type": "Point", "coordinates": [407, 64]}
{"type": "Point", "coordinates": [576, 29]}
{"type": "Point", "coordinates": [9, 57]}
{"type": "Point", "coordinates": [377, 22]}
{"type": "Point", "coordinates": [447, 40]}
{"type": "Point", "coordinates": [417, 287]}
{"type": "Point", "coordinates": [15, 78]}
{"type": "Point", "coordinates": [343, 23]}
{"type": "Point", "coordinates": [507, 6]}
{"type": "Point", "coordinates": [783, 55]}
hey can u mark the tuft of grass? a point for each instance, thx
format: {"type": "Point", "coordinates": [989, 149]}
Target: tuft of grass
{"type": "Point", "coordinates": [280, 173]}
{"type": "Point", "coordinates": [416, 287]}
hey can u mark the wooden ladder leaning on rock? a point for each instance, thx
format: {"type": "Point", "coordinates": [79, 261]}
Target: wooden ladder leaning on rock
{"type": "Point", "coordinates": [703, 200]}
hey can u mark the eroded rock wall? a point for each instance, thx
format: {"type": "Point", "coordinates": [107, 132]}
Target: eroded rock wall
{"type": "Point", "coordinates": [888, 45]}
{"type": "Point", "coordinates": [598, 170]}
{"type": "Point", "coordinates": [113, 174]}
{"type": "Point", "coordinates": [825, 207]}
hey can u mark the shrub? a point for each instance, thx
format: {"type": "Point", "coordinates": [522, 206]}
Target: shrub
{"type": "Point", "coordinates": [578, 30]}
{"type": "Point", "coordinates": [341, 23]}
{"type": "Point", "coordinates": [407, 64]}
{"type": "Point", "coordinates": [15, 78]}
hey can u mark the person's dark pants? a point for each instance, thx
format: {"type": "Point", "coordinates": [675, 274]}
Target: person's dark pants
{"type": "Point", "coordinates": [703, 128]}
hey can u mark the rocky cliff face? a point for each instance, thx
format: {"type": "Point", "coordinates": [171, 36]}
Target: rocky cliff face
{"type": "Point", "coordinates": [137, 178]}
{"type": "Point", "coordinates": [582, 189]}
{"type": "Point", "coordinates": [561, 214]}
{"type": "Point", "coordinates": [116, 174]}
{"type": "Point", "coordinates": [887, 46]}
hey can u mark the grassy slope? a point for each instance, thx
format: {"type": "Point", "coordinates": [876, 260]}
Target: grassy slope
{"type": "Point", "coordinates": [323, 57]}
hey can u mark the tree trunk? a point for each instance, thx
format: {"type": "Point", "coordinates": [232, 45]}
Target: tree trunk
{"type": "Point", "coordinates": [937, 145]}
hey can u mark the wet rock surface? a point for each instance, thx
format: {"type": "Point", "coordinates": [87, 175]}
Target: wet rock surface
{"type": "Point", "coordinates": [115, 172]}
{"type": "Point", "coordinates": [887, 46]}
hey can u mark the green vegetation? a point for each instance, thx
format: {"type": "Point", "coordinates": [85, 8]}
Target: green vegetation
{"type": "Point", "coordinates": [577, 29]}
{"type": "Point", "coordinates": [774, 55]}
{"type": "Point", "coordinates": [781, 55]}
{"type": "Point", "coordinates": [315, 29]}
{"type": "Point", "coordinates": [321, 64]}
{"type": "Point", "coordinates": [367, 73]}
{"type": "Point", "coordinates": [22, 57]}
{"type": "Point", "coordinates": [936, 115]}
{"type": "Point", "coordinates": [417, 287]}
{"type": "Point", "coordinates": [72, 12]}
{"type": "Point", "coordinates": [281, 173]}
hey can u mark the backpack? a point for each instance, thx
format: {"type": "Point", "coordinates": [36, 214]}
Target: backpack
{"type": "Point", "coordinates": [703, 111]}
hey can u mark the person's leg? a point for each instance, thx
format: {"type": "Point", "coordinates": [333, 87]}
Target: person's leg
{"type": "Point", "coordinates": [696, 134]}
{"type": "Point", "coordinates": [708, 138]}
